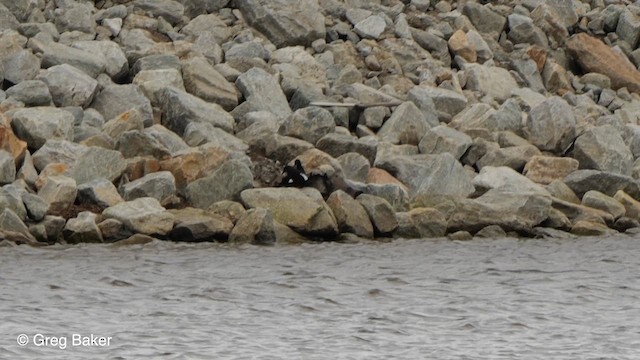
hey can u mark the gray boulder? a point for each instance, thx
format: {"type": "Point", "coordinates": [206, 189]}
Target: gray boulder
{"type": "Point", "coordinates": [139, 143]}
{"type": "Point", "coordinates": [581, 181]}
{"type": "Point", "coordinates": [159, 185]}
{"type": "Point", "coordinates": [512, 211]}
{"type": "Point", "coordinates": [96, 163]}
{"type": "Point", "coordinates": [100, 192]}
{"type": "Point", "coordinates": [602, 148]}
{"type": "Point", "coordinates": [142, 215]}
{"type": "Point", "coordinates": [598, 200]}
{"type": "Point", "coordinates": [171, 11]}
{"type": "Point", "coordinates": [337, 145]}
{"type": "Point", "coordinates": [421, 223]}
{"type": "Point", "coordinates": [515, 157]}
{"type": "Point", "coordinates": [283, 22]}
{"type": "Point", "coordinates": [494, 82]}
{"type": "Point", "coordinates": [153, 82]}
{"type": "Point", "coordinates": [443, 139]}
{"type": "Point", "coordinates": [354, 165]}
{"type": "Point", "coordinates": [551, 125]}
{"type": "Point", "coordinates": [59, 192]}
{"type": "Point", "coordinates": [207, 26]}
{"type": "Point", "coordinates": [82, 229]}
{"type": "Point", "coordinates": [7, 167]}
{"type": "Point", "coordinates": [36, 206]}
{"type": "Point", "coordinates": [116, 63]}
{"type": "Point", "coordinates": [75, 16]}
{"type": "Point", "coordinates": [484, 19]}
{"type": "Point", "coordinates": [193, 8]}
{"type": "Point", "coordinates": [8, 21]}
{"type": "Point", "coordinates": [114, 100]}
{"type": "Point", "coordinates": [203, 81]}
{"type": "Point", "coordinates": [57, 151]}
{"type": "Point", "coordinates": [371, 28]}
{"type": "Point", "coordinates": [256, 226]}
{"type": "Point", "coordinates": [20, 66]}
{"type": "Point", "coordinates": [261, 92]}
{"type": "Point", "coordinates": [12, 201]}
{"type": "Point", "coordinates": [381, 214]}
{"type": "Point", "coordinates": [39, 124]}
{"type": "Point", "coordinates": [69, 86]}
{"type": "Point", "coordinates": [628, 28]}
{"type": "Point", "coordinates": [506, 179]}
{"type": "Point", "coordinates": [407, 125]}
{"type": "Point", "coordinates": [57, 54]}
{"type": "Point", "coordinates": [181, 108]}
{"type": "Point", "coordinates": [31, 92]}
{"type": "Point", "coordinates": [303, 210]}
{"type": "Point", "coordinates": [226, 183]}
{"type": "Point", "coordinates": [10, 223]}
{"type": "Point", "coordinates": [428, 175]}
{"type": "Point", "coordinates": [350, 215]}
{"type": "Point", "coordinates": [196, 225]}
{"type": "Point", "coordinates": [309, 124]}
{"type": "Point", "coordinates": [196, 134]}
{"type": "Point", "coordinates": [167, 138]}
{"type": "Point", "coordinates": [437, 100]}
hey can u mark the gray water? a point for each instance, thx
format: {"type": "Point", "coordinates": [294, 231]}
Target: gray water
{"type": "Point", "coordinates": [407, 299]}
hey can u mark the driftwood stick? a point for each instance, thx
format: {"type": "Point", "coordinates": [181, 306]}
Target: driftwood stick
{"type": "Point", "coordinates": [353, 105]}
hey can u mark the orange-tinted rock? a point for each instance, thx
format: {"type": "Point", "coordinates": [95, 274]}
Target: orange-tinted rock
{"type": "Point", "coordinates": [381, 176]}
{"type": "Point", "coordinates": [10, 142]}
{"type": "Point", "coordinates": [185, 168]}
{"type": "Point", "coordinates": [546, 169]}
{"type": "Point", "coordinates": [213, 157]}
{"type": "Point", "coordinates": [595, 56]}
{"type": "Point", "coordinates": [459, 45]}
{"type": "Point", "coordinates": [140, 166]}
{"type": "Point", "coordinates": [53, 169]}
{"type": "Point", "coordinates": [538, 55]}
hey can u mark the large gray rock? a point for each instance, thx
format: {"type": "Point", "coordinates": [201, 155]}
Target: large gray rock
{"type": "Point", "coordinates": [167, 138]}
{"type": "Point", "coordinates": [380, 212]}
{"type": "Point", "coordinates": [350, 214]}
{"type": "Point", "coordinates": [484, 19]}
{"type": "Point", "coordinates": [196, 134]}
{"type": "Point", "coordinates": [171, 11]}
{"type": "Point", "coordinates": [581, 181]}
{"type": "Point", "coordinates": [309, 124]}
{"type": "Point", "coordinates": [31, 93]}
{"type": "Point", "coordinates": [203, 81]}
{"type": "Point", "coordinates": [36, 206]}
{"type": "Point", "coordinates": [75, 16]}
{"type": "Point", "coordinates": [20, 66]}
{"type": "Point", "coordinates": [153, 82]}
{"type": "Point", "coordinates": [82, 229]}
{"type": "Point", "coordinates": [371, 28]}
{"type": "Point", "coordinates": [143, 215]}
{"type": "Point", "coordinates": [494, 82]}
{"type": "Point", "coordinates": [226, 183]}
{"type": "Point", "coordinates": [57, 54]}
{"type": "Point", "coordinates": [208, 26]}
{"type": "Point", "coordinates": [628, 28]}
{"type": "Point", "coordinates": [12, 201]}
{"type": "Point", "coordinates": [117, 65]}
{"type": "Point", "coordinates": [114, 100]}
{"type": "Point", "coordinates": [159, 185]}
{"type": "Point", "coordinates": [100, 192]}
{"type": "Point", "coordinates": [193, 8]}
{"type": "Point", "coordinates": [407, 125]}
{"type": "Point", "coordinates": [139, 143]}
{"type": "Point", "coordinates": [181, 108]}
{"type": "Point", "coordinates": [7, 168]}
{"type": "Point", "coordinates": [196, 225]}
{"type": "Point", "coordinates": [430, 175]}
{"type": "Point", "coordinates": [69, 86]}
{"type": "Point", "coordinates": [512, 211]}
{"type": "Point", "coordinates": [602, 148]}
{"type": "Point", "coordinates": [354, 165]}
{"type": "Point", "coordinates": [262, 92]}
{"type": "Point", "coordinates": [508, 180]}
{"type": "Point", "coordinates": [515, 157]}
{"type": "Point", "coordinates": [39, 124]}
{"type": "Point", "coordinates": [284, 22]}
{"type": "Point", "coordinates": [551, 125]}
{"type": "Point", "coordinates": [421, 223]}
{"type": "Point", "coordinates": [523, 30]}
{"type": "Point", "coordinates": [8, 21]}
{"type": "Point", "coordinates": [10, 223]}
{"type": "Point", "coordinates": [59, 192]}
{"type": "Point", "coordinates": [337, 145]}
{"type": "Point", "coordinates": [443, 139]}
{"type": "Point", "coordinates": [57, 151]}
{"type": "Point", "coordinates": [96, 163]}
{"type": "Point", "coordinates": [256, 226]}
{"type": "Point", "coordinates": [441, 100]}
{"type": "Point", "coordinates": [303, 210]}
{"type": "Point", "coordinates": [598, 200]}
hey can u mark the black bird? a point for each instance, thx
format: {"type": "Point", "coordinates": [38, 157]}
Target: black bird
{"type": "Point", "coordinates": [294, 175]}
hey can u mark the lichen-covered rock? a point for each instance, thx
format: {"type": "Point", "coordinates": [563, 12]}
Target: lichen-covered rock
{"type": "Point", "coordinates": [96, 163]}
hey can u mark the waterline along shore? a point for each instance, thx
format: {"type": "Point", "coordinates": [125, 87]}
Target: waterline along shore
{"type": "Point", "coordinates": [125, 121]}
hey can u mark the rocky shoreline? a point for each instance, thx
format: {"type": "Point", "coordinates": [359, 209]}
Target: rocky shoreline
{"type": "Point", "coordinates": [124, 121]}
